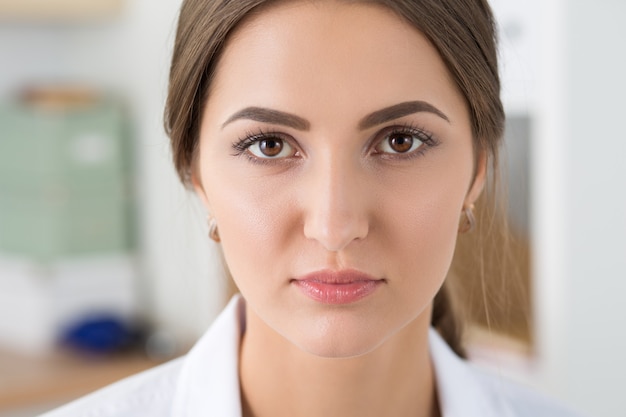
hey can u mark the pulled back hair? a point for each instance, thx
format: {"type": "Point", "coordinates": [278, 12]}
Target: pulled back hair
{"type": "Point", "coordinates": [462, 31]}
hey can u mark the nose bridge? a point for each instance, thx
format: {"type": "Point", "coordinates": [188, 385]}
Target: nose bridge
{"type": "Point", "coordinates": [336, 209]}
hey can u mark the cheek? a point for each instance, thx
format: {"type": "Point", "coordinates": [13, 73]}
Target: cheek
{"type": "Point", "coordinates": [420, 224]}
{"type": "Point", "coordinates": [434, 222]}
{"type": "Point", "coordinates": [420, 239]}
{"type": "Point", "coordinates": [253, 217]}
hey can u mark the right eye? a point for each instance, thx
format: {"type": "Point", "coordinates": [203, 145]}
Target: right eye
{"type": "Point", "coordinates": [265, 146]}
{"type": "Point", "coordinates": [271, 148]}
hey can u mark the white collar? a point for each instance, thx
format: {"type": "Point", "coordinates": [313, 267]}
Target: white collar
{"type": "Point", "coordinates": [208, 384]}
{"type": "Point", "coordinates": [461, 393]}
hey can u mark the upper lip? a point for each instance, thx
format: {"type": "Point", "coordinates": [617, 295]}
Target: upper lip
{"type": "Point", "coordinates": [344, 276]}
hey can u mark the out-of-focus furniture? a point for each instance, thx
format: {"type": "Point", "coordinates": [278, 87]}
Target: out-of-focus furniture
{"type": "Point", "coordinates": [27, 382]}
{"type": "Point", "coordinates": [58, 9]}
{"type": "Point", "coordinates": [66, 214]}
{"type": "Point", "coordinates": [64, 175]}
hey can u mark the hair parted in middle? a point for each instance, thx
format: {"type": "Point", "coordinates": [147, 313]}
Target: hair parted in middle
{"type": "Point", "coordinates": [462, 31]}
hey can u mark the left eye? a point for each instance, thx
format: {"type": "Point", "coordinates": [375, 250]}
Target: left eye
{"type": "Point", "coordinates": [402, 142]}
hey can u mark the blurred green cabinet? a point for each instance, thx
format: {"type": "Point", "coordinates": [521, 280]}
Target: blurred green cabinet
{"type": "Point", "coordinates": [64, 180]}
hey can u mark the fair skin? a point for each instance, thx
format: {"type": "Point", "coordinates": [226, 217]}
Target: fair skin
{"type": "Point", "coordinates": [338, 173]}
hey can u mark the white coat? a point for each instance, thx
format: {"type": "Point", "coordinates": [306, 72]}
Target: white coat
{"type": "Point", "coordinates": [205, 383]}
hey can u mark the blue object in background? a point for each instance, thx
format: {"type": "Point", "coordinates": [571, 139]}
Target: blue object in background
{"type": "Point", "coordinates": [104, 334]}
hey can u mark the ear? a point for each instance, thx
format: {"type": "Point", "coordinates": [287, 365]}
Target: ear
{"type": "Point", "coordinates": [199, 190]}
{"type": "Point", "coordinates": [480, 177]}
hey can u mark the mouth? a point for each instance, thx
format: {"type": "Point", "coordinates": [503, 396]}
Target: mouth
{"type": "Point", "coordinates": [337, 287]}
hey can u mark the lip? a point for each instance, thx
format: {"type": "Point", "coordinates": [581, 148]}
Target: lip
{"type": "Point", "coordinates": [337, 287]}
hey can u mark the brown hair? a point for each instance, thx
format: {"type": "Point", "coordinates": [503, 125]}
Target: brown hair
{"type": "Point", "coordinates": [463, 32]}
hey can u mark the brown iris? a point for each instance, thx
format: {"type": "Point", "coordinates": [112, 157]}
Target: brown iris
{"type": "Point", "coordinates": [400, 143]}
{"type": "Point", "coordinates": [271, 147]}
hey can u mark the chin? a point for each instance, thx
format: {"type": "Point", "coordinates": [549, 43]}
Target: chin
{"type": "Point", "coordinates": [334, 340]}
{"type": "Point", "coordinates": [338, 349]}
{"type": "Point", "coordinates": [350, 334]}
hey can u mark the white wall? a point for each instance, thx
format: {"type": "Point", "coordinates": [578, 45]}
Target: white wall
{"type": "Point", "coordinates": [595, 215]}
{"type": "Point", "coordinates": [580, 207]}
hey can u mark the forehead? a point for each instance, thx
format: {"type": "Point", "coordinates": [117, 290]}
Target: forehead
{"type": "Point", "coordinates": [324, 57]}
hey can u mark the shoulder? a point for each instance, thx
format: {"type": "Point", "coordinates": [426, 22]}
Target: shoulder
{"type": "Point", "coordinates": [205, 382]}
{"type": "Point", "coordinates": [467, 390]}
{"type": "Point", "coordinates": [149, 393]}
{"type": "Point", "coordinates": [522, 401]}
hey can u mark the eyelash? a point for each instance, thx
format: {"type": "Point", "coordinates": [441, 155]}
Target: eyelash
{"type": "Point", "coordinates": [428, 140]}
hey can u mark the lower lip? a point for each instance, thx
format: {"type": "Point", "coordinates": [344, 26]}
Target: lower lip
{"type": "Point", "coordinates": [337, 293]}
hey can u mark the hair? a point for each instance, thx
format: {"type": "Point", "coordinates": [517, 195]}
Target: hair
{"type": "Point", "coordinates": [462, 31]}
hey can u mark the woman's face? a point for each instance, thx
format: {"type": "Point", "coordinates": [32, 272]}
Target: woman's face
{"type": "Point", "coordinates": [336, 157]}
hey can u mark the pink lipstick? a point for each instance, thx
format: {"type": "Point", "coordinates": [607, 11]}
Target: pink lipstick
{"type": "Point", "coordinates": [337, 287]}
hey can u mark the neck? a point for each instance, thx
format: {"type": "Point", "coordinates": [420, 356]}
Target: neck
{"type": "Point", "coordinates": [278, 379]}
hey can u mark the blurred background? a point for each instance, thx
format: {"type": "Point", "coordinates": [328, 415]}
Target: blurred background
{"type": "Point", "coordinates": [105, 267]}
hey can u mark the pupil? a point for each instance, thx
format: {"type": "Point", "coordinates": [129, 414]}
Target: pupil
{"type": "Point", "coordinates": [401, 143]}
{"type": "Point", "coordinates": [271, 147]}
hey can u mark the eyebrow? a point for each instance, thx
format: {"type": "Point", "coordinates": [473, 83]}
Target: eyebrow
{"type": "Point", "coordinates": [265, 115]}
{"type": "Point", "coordinates": [397, 111]}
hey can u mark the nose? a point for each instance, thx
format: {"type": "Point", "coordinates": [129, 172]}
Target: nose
{"type": "Point", "coordinates": [336, 209]}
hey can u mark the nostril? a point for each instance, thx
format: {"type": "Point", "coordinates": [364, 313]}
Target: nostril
{"type": "Point", "coordinates": [334, 230]}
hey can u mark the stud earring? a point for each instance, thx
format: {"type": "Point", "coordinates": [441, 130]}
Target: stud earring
{"type": "Point", "coordinates": [213, 232]}
{"type": "Point", "coordinates": [468, 224]}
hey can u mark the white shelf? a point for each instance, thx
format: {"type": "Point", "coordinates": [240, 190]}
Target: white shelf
{"type": "Point", "coordinates": [28, 10]}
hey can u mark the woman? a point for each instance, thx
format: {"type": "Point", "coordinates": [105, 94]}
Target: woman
{"type": "Point", "coordinates": [339, 148]}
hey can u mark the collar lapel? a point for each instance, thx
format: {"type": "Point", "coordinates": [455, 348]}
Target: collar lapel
{"type": "Point", "coordinates": [208, 384]}
{"type": "Point", "coordinates": [461, 392]}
